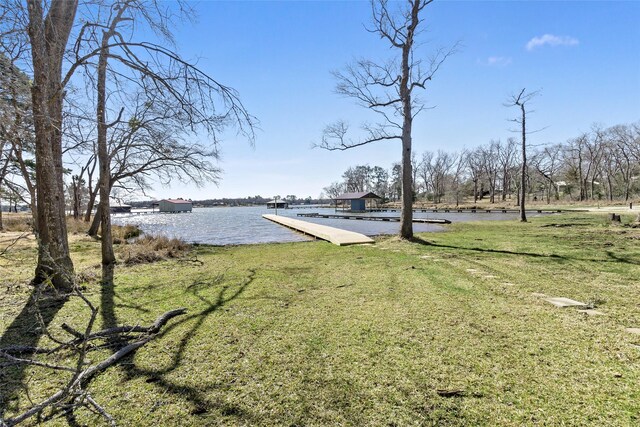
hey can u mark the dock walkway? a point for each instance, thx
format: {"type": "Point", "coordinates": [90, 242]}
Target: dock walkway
{"type": "Point", "coordinates": [480, 210]}
{"type": "Point", "coordinates": [336, 236]}
{"type": "Point", "coordinates": [373, 218]}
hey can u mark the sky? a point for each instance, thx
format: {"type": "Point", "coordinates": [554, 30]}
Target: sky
{"type": "Point", "coordinates": [583, 57]}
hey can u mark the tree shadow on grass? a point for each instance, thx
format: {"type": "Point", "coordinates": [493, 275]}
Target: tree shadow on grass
{"type": "Point", "coordinates": [623, 259]}
{"type": "Point", "coordinates": [424, 242]}
{"type": "Point", "coordinates": [196, 395]}
{"type": "Point", "coordinates": [26, 329]}
{"type": "Point", "coordinates": [107, 304]}
{"type": "Point", "coordinates": [559, 258]}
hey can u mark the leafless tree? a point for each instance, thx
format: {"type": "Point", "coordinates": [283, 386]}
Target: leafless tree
{"type": "Point", "coordinates": [506, 156]}
{"type": "Point", "coordinates": [474, 163]}
{"type": "Point", "coordinates": [620, 152]}
{"type": "Point", "coordinates": [171, 87]}
{"type": "Point", "coordinates": [521, 100]}
{"type": "Point", "coordinates": [425, 170]}
{"type": "Point", "coordinates": [458, 174]}
{"type": "Point", "coordinates": [387, 88]}
{"type": "Point", "coordinates": [434, 170]}
{"type": "Point", "coordinates": [490, 160]}
{"type": "Point", "coordinates": [547, 163]}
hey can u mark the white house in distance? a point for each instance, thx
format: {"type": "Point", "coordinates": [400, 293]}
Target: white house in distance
{"type": "Point", "coordinates": [175, 205]}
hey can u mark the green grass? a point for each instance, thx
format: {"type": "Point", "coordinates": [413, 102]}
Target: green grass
{"type": "Point", "coordinates": [315, 334]}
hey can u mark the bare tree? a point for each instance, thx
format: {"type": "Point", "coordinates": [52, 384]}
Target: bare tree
{"type": "Point", "coordinates": [49, 32]}
{"type": "Point", "coordinates": [357, 178]}
{"type": "Point", "coordinates": [474, 163]}
{"type": "Point", "coordinates": [459, 167]}
{"type": "Point", "coordinates": [490, 161]}
{"type": "Point", "coordinates": [621, 148]}
{"type": "Point", "coordinates": [434, 170]}
{"type": "Point", "coordinates": [171, 87]}
{"type": "Point", "coordinates": [547, 163]}
{"type": "Point", "coordinates": [387, 88]}
{"type": "Point", "coordinates": [506, 155]}
{"type": "Point", "coordinates": [521, 100]}
{"type": "Point", "coordinates": [425, 171]}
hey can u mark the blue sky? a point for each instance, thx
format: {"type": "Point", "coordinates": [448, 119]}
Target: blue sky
{"type": "Point", "coordinates": [583, 56]}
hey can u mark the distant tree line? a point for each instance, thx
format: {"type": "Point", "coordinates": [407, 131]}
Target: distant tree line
{"type": "Point", "coordinates": [601, 164]}
{"type": "Point", "coordinates": [241, 201]}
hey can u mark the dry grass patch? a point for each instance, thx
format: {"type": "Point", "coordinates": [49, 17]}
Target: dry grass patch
{"type": "Point", "coordinates": [16, 222]}
{"type": "Point", "coordinates": [149, 249]}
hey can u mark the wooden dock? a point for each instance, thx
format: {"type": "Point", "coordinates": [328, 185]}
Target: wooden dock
{"type": "Point", "coordinates": [480, 210]}
{"type": "Point", "coordinates": [336, 236]}
{"type": "Point", "coordinates": [373, 218]}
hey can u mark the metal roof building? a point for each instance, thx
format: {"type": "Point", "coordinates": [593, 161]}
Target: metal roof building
{"type": "Point", "coordinates": [281, 204]}
{"type": "Point", "coordinates": [358, 201]}
{"type": "Point", "coordinates": [175, 205]}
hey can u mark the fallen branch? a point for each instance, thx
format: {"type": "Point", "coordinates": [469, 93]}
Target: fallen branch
{"type": "Point", "coordinates": [12, 244]}
{"type": "Point", "coordinates": [75, 390]}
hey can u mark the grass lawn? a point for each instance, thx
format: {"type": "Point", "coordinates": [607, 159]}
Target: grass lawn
{"type": "Point", "coordinates": [441, 331]}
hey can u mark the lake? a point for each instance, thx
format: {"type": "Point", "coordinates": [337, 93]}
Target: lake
{"type": "Point", "coordinates": [245, 225]}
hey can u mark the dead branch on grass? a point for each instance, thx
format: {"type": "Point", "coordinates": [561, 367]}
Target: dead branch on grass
{"type": "Point", "coordinates": [75, 394]}
{"type": "Point", "coordinates": [12, 242]}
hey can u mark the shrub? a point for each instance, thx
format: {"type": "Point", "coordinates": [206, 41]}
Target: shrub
{"type": "Point", "coordinates": [16, 222]}
{"type": "Point", "coordinates": [125, 232]}
{"type": "Point", "coordinates": [149, 249]}
{"type": "Point", "coordinates": [77, 226]}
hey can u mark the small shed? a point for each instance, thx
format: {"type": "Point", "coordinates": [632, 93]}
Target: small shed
{"type": "Point", "coordinates": [120, 209]}
{"type": "Point", "coordinates": [282, 204]}
{"type": "Point", "coordinates": [358, 201]}
{"type": "Point", "coordinates": [175, 205]}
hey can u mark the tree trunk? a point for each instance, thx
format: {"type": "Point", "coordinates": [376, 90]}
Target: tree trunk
{"type": "Point", "coordinates": [523, 177]}
{"type": "Point", "coordinates": [95, 224]}
{"type": "Point", "coordinates": [610, 188]}
{"type": "Point", "coordinates": [104, 166]}
{"type": "Point", "coordinates": [75, 187]}
{"type": "Point", "coordinates": [492, 188]}
{"type": "Point", "coordinates": [504, 185]}
{"type": "Point", "coordinates": [406, 219]}
{"type": "Point", "coordinates": [92, 201]}
{"type": "Point", "coordinates": [48, 39]}
{"type": "Point", "coordinates": [475, 190]}
{"type": "Point", "coordinates": [406, 222]}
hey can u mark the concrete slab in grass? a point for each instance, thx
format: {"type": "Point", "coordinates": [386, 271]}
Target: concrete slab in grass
{"type": "Point", "coordinates": [633, 330]}
{"type": "Point", "coordinates": [565, 302]}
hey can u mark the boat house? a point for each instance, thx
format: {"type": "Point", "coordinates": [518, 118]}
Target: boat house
{"type": "Point", "coordinates": [175, 205]}
{"type": "Point", "coordinates": [357, 201]}
{"type": "Point", "coordinates": [281, 204]}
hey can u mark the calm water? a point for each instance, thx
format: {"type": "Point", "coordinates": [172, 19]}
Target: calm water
{"type": "Point", "coordinates": [243, 225]}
